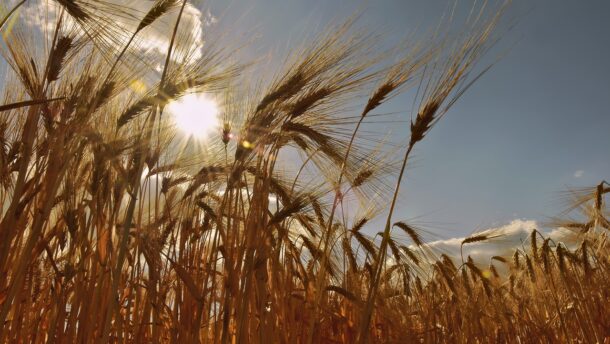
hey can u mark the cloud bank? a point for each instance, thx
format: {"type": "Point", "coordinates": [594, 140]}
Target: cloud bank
{"type": "Point", "coordinates": [504, 241]}
{"type": "Point", "coordinates": [123, 17]}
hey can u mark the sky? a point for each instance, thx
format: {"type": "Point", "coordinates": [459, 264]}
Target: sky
{"type": "Point", "coordinates": [537, 124]}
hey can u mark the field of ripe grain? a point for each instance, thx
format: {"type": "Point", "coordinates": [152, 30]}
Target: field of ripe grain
{"type": "Point", "coordinates": [115, 229]}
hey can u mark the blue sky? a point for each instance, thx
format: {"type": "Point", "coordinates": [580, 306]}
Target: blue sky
{"type": "Point", "coordinates": [535, 125]}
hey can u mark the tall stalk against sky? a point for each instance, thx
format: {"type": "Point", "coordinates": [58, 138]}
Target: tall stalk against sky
{"type": "Point", "coordinates": [438, 94]}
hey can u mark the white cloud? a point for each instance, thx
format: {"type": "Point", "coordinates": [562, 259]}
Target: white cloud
{"type": "Point", "coordinates": [504, 240]}
{"type": "Point", "coordinates": [157, 36]}
{"type": "Point", "coordinates": [579, 173]}
{"type": "Point", "coordinates": [43, 14]}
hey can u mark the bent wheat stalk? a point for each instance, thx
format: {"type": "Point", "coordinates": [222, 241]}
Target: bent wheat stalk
{"type": "Point", "coordinates": [10, 13]}
{"type": "Point", "coordinates": [135, 187]}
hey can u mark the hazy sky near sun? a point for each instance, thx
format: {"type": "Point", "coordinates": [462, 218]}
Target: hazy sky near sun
{"type": "Point", "coordinates": [536, 124]}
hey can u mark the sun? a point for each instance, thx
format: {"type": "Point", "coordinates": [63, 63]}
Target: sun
{"type": "Point", "coordinates": [195, 115]}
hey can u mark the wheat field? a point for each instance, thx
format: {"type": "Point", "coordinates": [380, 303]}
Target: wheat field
{"type": "Point", "coordinates": [113, 230]}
